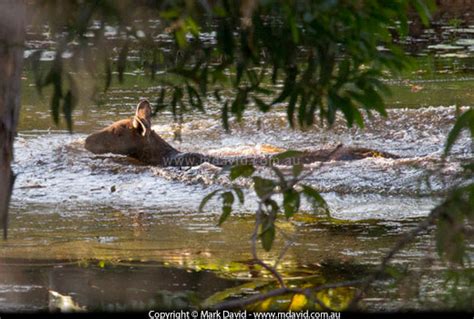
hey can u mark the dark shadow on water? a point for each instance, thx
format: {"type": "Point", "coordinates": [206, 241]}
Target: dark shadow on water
{"type": "Point", "coordinates": [25, 285]}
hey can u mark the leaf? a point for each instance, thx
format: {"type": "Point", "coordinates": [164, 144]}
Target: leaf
{"type": "Point", "coordinates": [376, 101]}
{"type": "Point", "coordinates": [239, 193]}
{"type": "Point", "coordinates": [245, 170]}
{"type": "Point", "coordinates": [217, 95]}
{"type": "Point", "coordinates": [225, 116]}
{"type": "Point", "coordinates": [280, 175]}
{"type": "Point", "coordinates": [466, 120]}
{"type": "Point", "coordinates": [206, 199]}
{"type": "Point", "coordinates": [297, 169]}
{"type": "Point", "coordinates": [289, 86]}
{"type": "Point", "coordinates": [203, 81]}
{"type": "Point", "coordinates": [227, 201]}
{"type": "Point", "coordinates": [122, 61]}
{"type": "Point", "coordinates": [304, 119]}
{"type": "Point", "coordinates": [263, 186]}
{"type": "Point", "coordinates": [68, 107]}
{"type": "Point", "coordinates": [194, 98]}
{"type": "Point", "coordinates": [316, 200]}
{"type": "Point", "coordinates": [290, 108]}
{"type": "Point", "coordinates": [55, 103]}
{"type": "Point", "coordinates": [291, 202]}
{"type": "Point", "coordinates": [225, 38]}
{"type": "Point", "coordinates": [192, 27]}
{"type": "Point", "coordinates": [287, 154]}
{"type": "Point", "coordinates": [267, 236]}
{"type": "Point", "coordinates": [423, 11]}
{"type": "Point", "coordinates": [264, 107]}
{"type": "Point", "coordinates": [272, 207]}
{"type": "Point", "coordinates": [180, 37]}
{"type": "Point", "coordinates": [238, 106]}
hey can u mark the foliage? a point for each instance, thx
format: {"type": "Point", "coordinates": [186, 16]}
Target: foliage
{"type": "Point", "coordinates": [329, 56]}
{"type": "Point", "coordinates": [289, 188]}
{"type": "Point", "coordinates": [316, 57]}
{"type": "Point", "coordinates": [456, 221]}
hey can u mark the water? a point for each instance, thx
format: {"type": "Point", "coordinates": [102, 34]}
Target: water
{"type": "Point", "coordinates": [114, 235]}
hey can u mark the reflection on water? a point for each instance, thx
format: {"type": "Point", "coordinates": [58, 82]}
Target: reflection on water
{"type": "Point", "coordinates": [142, 286]}
{"type": "Point", "coordinates": [142, 254]}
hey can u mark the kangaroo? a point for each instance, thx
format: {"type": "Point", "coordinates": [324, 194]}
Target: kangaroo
{"type": "Point", "coordinates": [135, 138]}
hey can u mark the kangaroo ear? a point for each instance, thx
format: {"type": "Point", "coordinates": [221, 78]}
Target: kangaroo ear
{"type": "Point", "coordinates": [144, 110]}
{"type": "Point", "coordinates": [142, 118]}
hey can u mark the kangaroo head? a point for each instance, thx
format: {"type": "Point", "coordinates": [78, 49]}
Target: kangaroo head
{"type": "Point", "coordinates": [127, 137]}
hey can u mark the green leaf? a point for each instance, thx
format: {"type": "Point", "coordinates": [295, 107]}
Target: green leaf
{"type": "Point", "coordinates": [170, 14]}
{"type": "Point", "coordinates": [206, 199]}
{"type": "Point", "coordinates": [316, 200]}
{"type": "Point", "coordinates": [291, 202]}
{"type": "Point", "coordinates": [280, 175]}
{"type": "Point", "coordinates": [245, 170]}
{"type": "Point", "coordinates": [423, 11]}
{"type": "Point", "coordinates": [267, 236]}
{"type": "Point", "coordinates": [238, 106]}
{"type": "Point", "coordinates": [466, 120]}
{"type": "Point", "coordinates": [192, 27]}
{"type": "Point", "coordinates": [227, 201]}
{"type": "Point", "coordinates": [272, 207]}
{"type": "Point", "coordinates": [287, 154]}
{"type": "Point", "coordinates": [297, 169]}
{"type": "Point", "coordinates": [180, 37]}
{"type": "Point", "coordinates": [239, 193]}
{"type": "Point", "coordinates": [263, 186]}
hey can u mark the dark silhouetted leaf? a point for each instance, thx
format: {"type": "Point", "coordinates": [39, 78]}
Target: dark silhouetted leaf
{"type": "Point", "coordinates": [206, 199]}
{"type": "Point", "coordinates": [291, 202]}
{"type": "Point", "coordinates": [267, 236]}
{"type": "Point", "coordinates": [297, 169]}
{"type": "Point", "coordinates": [288, 154]}
{"type": "Point", "coordinates": [122, 61]}
{"type": "Point", "coordinates": [466, 120]}
{"type": "Point", "coordinates": [239, 193]}
{"type": "Point", "coordinates": [316, 200]}
{"type": "Point", "coordinates": [263, 186]}
{"type": "Point", "coordinates": [245, 170]}
{"type": "Point", "coordinates": [225, 116]}
{"type": "Point", "coordinates": [227, 201]}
